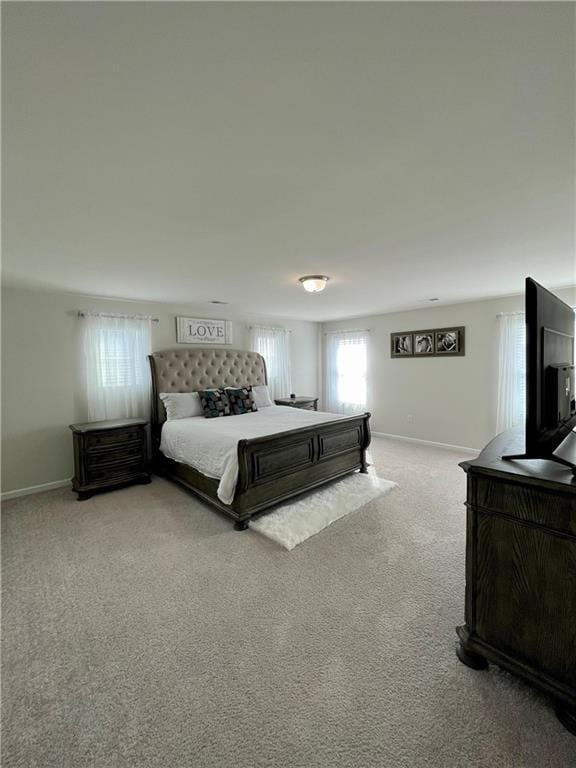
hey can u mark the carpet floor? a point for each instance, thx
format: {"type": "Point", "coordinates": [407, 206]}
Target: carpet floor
{"type": "Point", "coordinates": [141, 630]}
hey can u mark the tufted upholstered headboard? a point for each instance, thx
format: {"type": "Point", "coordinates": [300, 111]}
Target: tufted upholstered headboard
{"type": "Point", "coordinates": [188, 370]}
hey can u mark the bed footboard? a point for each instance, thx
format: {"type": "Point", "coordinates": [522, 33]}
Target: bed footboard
{"type": "Point", "coordinates": [277, 467]}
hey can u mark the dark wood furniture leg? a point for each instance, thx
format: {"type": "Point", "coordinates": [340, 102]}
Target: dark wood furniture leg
{"type": "Point", "coordinates": [467, 657]}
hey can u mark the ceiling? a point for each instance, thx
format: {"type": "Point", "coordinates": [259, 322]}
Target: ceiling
{"type": "Point", "coordinates": [189, 152]}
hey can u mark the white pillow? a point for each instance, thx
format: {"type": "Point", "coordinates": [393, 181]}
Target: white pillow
{"type": "Point", "coordinates": [181, 405]}
{"type": "Point", "coordinates": [261, 396]}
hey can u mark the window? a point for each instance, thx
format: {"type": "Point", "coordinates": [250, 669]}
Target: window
{"type": "Point", "coordinates": [511, 409]}
{"type": "Point", "coordinates": [114, 363]}
{"type": "Point", "coordinates": [274, 346]}
{"type": "Point", "coordinates": [115, 369]}
{"type": "Point", "coordinates": [347, 365]}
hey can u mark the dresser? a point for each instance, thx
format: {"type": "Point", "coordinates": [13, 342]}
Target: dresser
{"type": "Point", "coordinates": [521, 571]}
{"type": "Point", "coordinates": [108, 454]}
{"type": "Point", "coordinates": [307, 403]}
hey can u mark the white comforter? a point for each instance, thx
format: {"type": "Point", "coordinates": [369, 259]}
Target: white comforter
{"type": "Point", "coordinates": [210, 445]}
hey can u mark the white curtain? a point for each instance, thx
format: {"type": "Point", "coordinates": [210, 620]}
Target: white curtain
{"type": "Point", "coordinates": [115, 371]}
{"type": "Point", "coordinates": [346, 371]}
{"type": "Point", "coordinates": [274, 346]}
{"type": "Point", "coordinates": [511, 407]}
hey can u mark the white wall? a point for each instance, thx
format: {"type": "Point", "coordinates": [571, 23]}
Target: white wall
{"type": "Point", "coordinates": [39, 372]}
{"type": "Point", "coordinates": [450, 400]}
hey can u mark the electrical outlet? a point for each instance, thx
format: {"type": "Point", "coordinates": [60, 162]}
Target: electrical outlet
{"type": "Point", "coordinates": [410, 418]}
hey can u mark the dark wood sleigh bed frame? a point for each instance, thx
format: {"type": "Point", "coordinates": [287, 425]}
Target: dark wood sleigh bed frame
{"type": "Point", "coordinates": [271, 469]}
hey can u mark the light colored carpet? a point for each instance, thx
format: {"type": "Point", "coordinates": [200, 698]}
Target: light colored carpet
{"type": "Point", "coordinates": [141, 630]}
{"type": "Point", "coordinates": [295, 521]}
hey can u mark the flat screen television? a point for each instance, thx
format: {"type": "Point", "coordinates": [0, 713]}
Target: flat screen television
{"type": "Point", "coordinates": [550, 379]}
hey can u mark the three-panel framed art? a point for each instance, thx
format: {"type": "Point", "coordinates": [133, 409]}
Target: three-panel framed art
{"type": "Point", "coordinates": [435, 342]}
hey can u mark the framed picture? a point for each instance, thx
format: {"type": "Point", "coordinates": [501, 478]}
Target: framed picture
{"type": "Point", "coordinates": [195, 330]}
{"type": "Point", "coordinates": [435, 342]}
{"type": "Point", "coordinates": [424, 343]}
{"type": "Point", "coordinates": [450, 341]}
{"type": "Point", "coordinates": [401, 344]}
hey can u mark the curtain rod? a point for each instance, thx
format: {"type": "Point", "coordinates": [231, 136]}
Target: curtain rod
{"type": "Point", "coordinates": [125, 317]}
{"type": "Point", "coordinates": [352, 330]}
{"type": "Point", "coordinates": [269, 328]}
{"type": "Point", "coordinates": [521, 312]}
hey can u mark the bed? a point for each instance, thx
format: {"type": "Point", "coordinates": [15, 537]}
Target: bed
{"type": "Point", "coordinates": [271, 468]}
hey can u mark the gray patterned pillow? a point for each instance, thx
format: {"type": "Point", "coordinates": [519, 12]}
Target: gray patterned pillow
{"type": "Point", "coordinates": [215, 403]}
{"type": "Point", "coordinates": [241, 400]}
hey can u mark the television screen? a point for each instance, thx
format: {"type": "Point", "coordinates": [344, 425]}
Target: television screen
{"type": "Point", "coordinates": [550, 401]}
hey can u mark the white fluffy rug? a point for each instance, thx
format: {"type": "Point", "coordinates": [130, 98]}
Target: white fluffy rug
{"type": "Point", "coordinates": [294, 522]}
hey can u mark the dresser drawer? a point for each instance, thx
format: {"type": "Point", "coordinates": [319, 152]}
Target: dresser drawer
{"type": "Point", "coordinates": [115, 453]}
{"type": "Point", "coordinates": [112, 439]}
{"type": "Point", "coordinates": [532, 506]}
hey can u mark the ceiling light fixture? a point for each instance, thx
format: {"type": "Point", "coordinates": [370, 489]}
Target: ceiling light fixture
{"type": "Point", "coordinates": [314, 283]}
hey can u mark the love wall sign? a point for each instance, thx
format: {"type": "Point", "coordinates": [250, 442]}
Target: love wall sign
{"type": "Point", "coordinates": [195, 330]}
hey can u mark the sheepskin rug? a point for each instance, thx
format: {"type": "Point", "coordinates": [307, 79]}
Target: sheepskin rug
{"type": "Point", "coordinates": [296, 521]}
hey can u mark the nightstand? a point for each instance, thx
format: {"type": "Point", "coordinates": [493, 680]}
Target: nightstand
{"type": "Point", "coordinates": [108, 454]}
{"type": "Point", "coordinates": [307, 403]}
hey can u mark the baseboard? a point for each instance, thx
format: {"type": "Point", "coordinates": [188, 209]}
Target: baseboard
{"type": "Point", "coordinates": [430, 443]}
{"type": "Point", "coordinates": [63, 483]}
{"type": "Point", "coordinates": [34, 489]}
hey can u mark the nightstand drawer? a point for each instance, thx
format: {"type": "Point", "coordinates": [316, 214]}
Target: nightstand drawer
{"type": "Point", "coordinates": [111, 454]}
{"type": "Point", "coordinates": [111, 439]}
{"type": "Point", "coordinates": [113, 472]}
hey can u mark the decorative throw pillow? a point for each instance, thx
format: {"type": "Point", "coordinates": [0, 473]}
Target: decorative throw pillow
{"type": "Point", "coordinates": [261, 396]}
{"type": "Point", "coordinates": [241, 400]}
{"type": "Point", "coordinates": [214, 403]}
{"type": "Point", "coordinates": [181, 405]}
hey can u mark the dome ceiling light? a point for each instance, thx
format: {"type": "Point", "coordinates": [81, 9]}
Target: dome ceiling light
{"type": "Point", "coordinates": [314, 283]}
